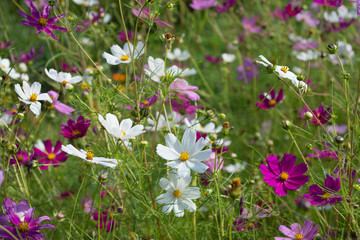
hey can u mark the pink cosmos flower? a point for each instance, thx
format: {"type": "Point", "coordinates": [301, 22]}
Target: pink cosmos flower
{"type": "Point", "coordinates": [67, 68]}
{"type": "Point", "coordinates": [27, 57]}
{"type": "Point", "coordinates": [42, 22]}
{"type": "Point", "coordinates": [284, 175]}
{"type": "Point", "coordinates": [59, 106]}
{"type": "Point", "coordinates": [122, 36]}
{"type": "Point", "coordinates": [76, 129]}
{"type": "Point", "coordinates": [306, 16]}
{"type": "Point", "coordinates": [146, 103]}
{"type": "Point", "coordinates": [50, 155]}
{"type": "Point", "coordinates": [296, 232]}
{"type": "Point", "coordinates": [202, 4]}
{"type": "Point", "coordinates": [226, 5]}
{"type": "Point", "coordinates": [326, 153]}
{"type": "Point", "coordinates": [145, 14]}
{"type": "Point", "coordinates": [329, 3]}
{"type": "Point", "coordinates": [182, 105]}
{"type": "Point", "coordinates": [21, 157]}
{"type": "Point", "coordinates": [324, 195]}
{"type": "Point", "coordinates": [322, 114]}
{"type": "Point", "coordinates": [181, 86]}
{"type": "Point", "coordinates": [270, 100]}
{"type": "Point", "coordinates": [249, 24]}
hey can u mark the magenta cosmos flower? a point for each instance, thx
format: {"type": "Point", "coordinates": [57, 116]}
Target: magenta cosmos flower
{"type": "Point", "coordinates": [226, 5]}
{"type": "Point", "coordinates": [296, 232]}
{"type": "Point", "coordinates": [59, 106]}
{"type": "Point", "coordinates": [50, 154]}
{"type": "Point", "coordinates": [324, 195]}
{"type": "Point", "coordinates": [27, 57]}
{"type": "Point", "coordinates": [249, 24]}
{"type": "Point", "coordinates": [202, 4]}
{"type": "Point", "coordinates": [284, 175]}
{"type": "Point", "coordinates": [146, 103]}
{"type": "Point", "coordinates": [76, 129]}
{"type": "Point", "coordinates": [270, 100]}
{"type": "Point", "coordinates": [19, 221]}
{"type": "Point", "coordinates": [323, 114]}
{"type": "Point", "coordinates": [21, 157]}
{"type": "Point", "coordinates": [42, 22]}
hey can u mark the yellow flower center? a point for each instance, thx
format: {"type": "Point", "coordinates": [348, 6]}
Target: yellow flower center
{"type": "Point", "coordinates": [76, 132]}
{"type": "Point", "coordinates": [146, 102]}
{"type": "Point", "coordinates": [318, 115]}
{"type": "Point", "coordinates": [272, 102]}
{"type": "Point", "coordinates": [284, 176]}
{"type": "Point", "coordinates": [23, 227]}
{"type": "Point", "coordinates": [284, 69]}
{"type": "Point", "coordinates": [184, 156]}
{"type": "Point", "coordinates": [248, 69]}
{"type": "Point", "coordinates": [51, 156]}
{"type": "Point", "coordinates": [3, 66]}
{"type": "Point", "coordinates": [326, 196]}
{"type": "Point", "coordinates": [125, 57]}
{"type": "Point", "coordinates": [123, 133]}
{"type": "Point", "coordinates": [89, 156]}
{"type": "Point", "coordinates": [64, 83]}
{"type": "Point", "coordinates": [177, 193]}
{"type": "Point", "coordinates": [20, 158]}
{"type": "Point", "coordinates": [299, 236]}
{"type": "Point", "coordinates": [84, 86]}
{"type": "Point", "coordinates": [33, 97]}
{"type": "Point", "coordinates": [43, 21]}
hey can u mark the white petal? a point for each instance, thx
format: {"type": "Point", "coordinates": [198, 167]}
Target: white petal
{"type": "Point", "coordinates": [44, 97]}
{"type": "Point", "coordinates": [110, 59]}
{"type": "Point", "coordinates": [201, 156]}
{"type": "Point", "coordinates": [183, 170]}
{"type": "Point", "coordinates": [35, 88]}
{"type": "Point", "coordinates": [172, 142]}
{"type": "Point", "coordinates": [191, 193]}
{"type": "Point", "coordinates": [167, 153]}
{"type": "Point", "coordinates": [75, 79]}
{"type": "Point", "coordinates": [117, 51]}
{"type": "Point", "coordinates": [188, 140]}
{"type": "Point", "coordinates": [125, 124]}
{"type": "Point", "coordinates": [20, 92]}
{"type": "Point", "coordinates": [199, 167]}
{"type": "Point", "coordinates": [35, 107]}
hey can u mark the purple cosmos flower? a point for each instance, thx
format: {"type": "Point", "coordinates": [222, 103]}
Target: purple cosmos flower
{"type": "Point", "coordinates": [76, 129]}
{"type": "Point", "coordinates": [59, 106]}
{"type": "Point", "coordinates": [38, 4]}
{"type": "Point", "coordinates": [270, 101]}
{"type": "Point", "coordinates": [243, 221]}
{"type": "Point", "coordinates": [306, 16]}
{"type": "Point", "coordinates": [42, 22]}
{"type": "Point", "coordinates": [213, 60]}
{"type": "Point", "coordinates": [145, 14]}
{"type": "Point", "coordinates": [339, 129]}
{"type": "Point", "coordinates": [122, 36]}
{"type": "Point", "coordinates": [296, 232]}
{"type": "Point", "coordinates": [50, 155]}
{"type": "Point", "coordinates": [343, 24]}
{"type": "Point", "coordinates": [181, 86]}
{"type": "Point", "coordinates": [21, 221]}
{"type": "Point", "coordinates": [284, 175]}
{"type": "Point", "coordinates": [182, 105]}
{"type": "Point", "coordinates": [67, 68]}
{"type": "Point", "coordinates": [327, 153]}
{"type": "Point", "coordinates": [146, 103]}
{"type": "Point", "coordinates": [324, 115]}
{"type": "Point", "coordinates": [248, 70]}
{"type": "Point", "coordinates": [4, 45]}
{"type": "Point", "coordinates": [226, 5]}
{"type": "Point", "coordinates": [27, 57]}
{"type": "Point", "coordinates": [106, 220]}
{"type": "Point", "coordinates": [329, 3]}
{"type": "Point", "coordinates": [249, 24]}
{"type": "Point", "coordinates": [202, 4]}
{"type": "Point", "coordinates": [324, 195]}
{"type": "Point", "coordinates": [94, 17]}
{"type": "Point", "coordinates": [21, 157]}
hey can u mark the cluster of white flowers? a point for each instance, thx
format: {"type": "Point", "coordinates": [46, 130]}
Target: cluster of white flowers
{"type": "Point", "coordinates": [342, 13]}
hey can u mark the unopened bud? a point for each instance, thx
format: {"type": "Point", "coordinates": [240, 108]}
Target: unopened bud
{"type": "Point", "coordinates": [69, 87]}
{"type": "Point", "coordinates": [339, 140]}
{"type": "Point", "coordinates": [120, 209]}
{"type": "Point", "coordinates": [347, 76]}
{"type": "Point", "coordinates": [309, 146]}
{"type": "Point", "coordinates": [132, 139]}
{"type": "Point", "coordinates": [226, 125]}
{"type": "Point", "coordinates": [308, 115]}
{"type": "Point", "coordinates": [144, 143]}
{"type": "Point", "coordinates": [270, 69]}
{"type": "Point", "coordinates": [103, 177]}
{"type": "Point", "coordinates": [51, 2]}
{"type": "Point", "coordinates": [332, 48]}
{"type": "Point", "coordinates": [60, 216]}
{"type": "Point", "coordinates": [20, 115]}
{"type": "Point", "coordinates": [300, 77]}
{"type": "Point", "coordinates": [222, 115]}
{"type": "Point", "coordinates": [32, 164]}
{"type": "Point", "coordinates": [286, 124]}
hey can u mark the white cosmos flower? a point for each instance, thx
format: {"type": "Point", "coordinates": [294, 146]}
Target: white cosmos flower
{"type": "Point", "coordinates": [62, 77]}
{"type": "Point", "coordinates": [31, 95]}
{"type": "Point", "coordinates": [162, 123]}
{"type": "Point", "coordinates": [122, 130]}
{"type": "Point", "coordinates": [5, 119]}
{"type": "Point", "coordinates": [341, 13]}
{"type": "Point", "coordinates": [5, 67]}
{"type": "Point", "coordinates": [123, 55]}
{"type": "Point", "coordinates": [179, 55]}
{"type": "Point", "coordinates": [306, 55]}
{"type": "Point", "coordinates": [345, 52]}
{"type": "Point", "coordinates": [89, 156]}
{"type": "Point", "coordinates": [196, 125]}
{"type": "Point", "coordinates": [228, 57]}
{"type": "Point", "coordinates": [235, 168]}
{"type": "Point", "coordinates": [156, 70]}
{"type": "Point", "coordinates": [87, 3]}
{"type": "Point", "coordinates": [284, 73]}
{"type": "Point", "coordinates": [184, 156]}
{"type": "Point", "coordinates": [178, 195]}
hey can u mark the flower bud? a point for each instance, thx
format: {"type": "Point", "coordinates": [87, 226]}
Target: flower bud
{"type": "Point", "coordinates": [144, 143]}
{"type": "Point", "coordinates": [235, 190]}
{"type": "Point", "coordinates": [332, 48]}
{"type": "Point", "coordinates": [309, 146]}
{"type": "Point", "coordinates": [51, 2]}
{"type": "Point", "coordinates": [222, 115]}
{"type": "Point", "coordinates": [339, 140]}
{"type": "Point", "coordinates": [300, 77]}
{"type": "Point", "coordinates": [120, 209]}
{"type": "Point", "coordinates": [308, 115]}
{"type": "Point", "coordinates": [23, 67]}
{"type": "Point", "coordinates": [347, 146]}
{"type": "Point", "coordinates": [347, 76]}
{"type": "Point", "coordinates": [226, 125]}
{"type": "Point", "coordinates": [270, 69]}
{"type": "Point", "coordinates": [69, 87]}
{"type": "Point", "coordinates": [286, 124]}
{"type": "Point", "coordinates": [60, 216]}
{"type": "Point", "coordinates": [20, 115]}
{"type": "Point", "coordinates": [132, 139]}
{"type": "Point", "coordinates": [32, 164]}
{"type": "Point", "coordinates": [12, 148]}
